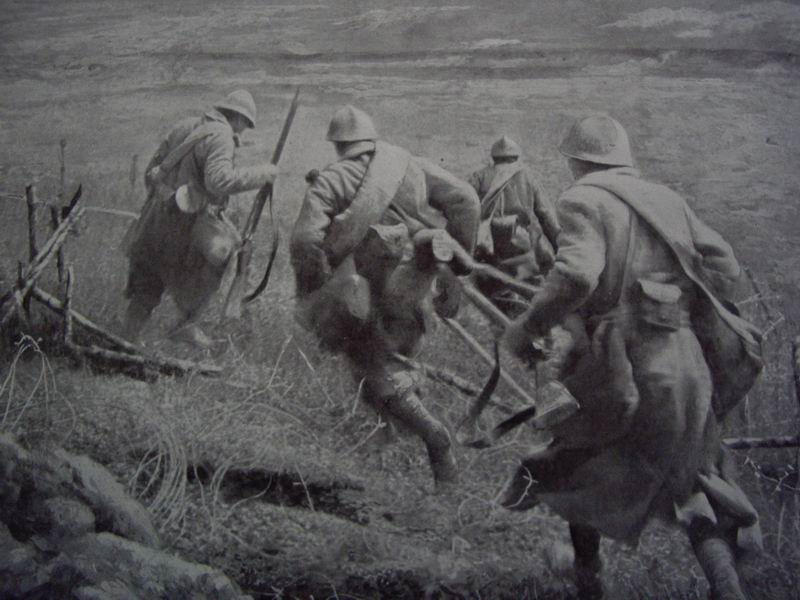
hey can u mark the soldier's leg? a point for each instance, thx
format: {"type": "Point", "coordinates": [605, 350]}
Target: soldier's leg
{"type": "Point", "coordinates": [713, 547]}
{"type": "Point", "coordinates": [144, 290]}
{"type": "Point", "coordinates": [392, 392]}
{"type": "Point", "coordinates": [586, 542]}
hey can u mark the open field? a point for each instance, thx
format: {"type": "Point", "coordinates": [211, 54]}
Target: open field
{"type": "Point", "coordinates": [710, 97]}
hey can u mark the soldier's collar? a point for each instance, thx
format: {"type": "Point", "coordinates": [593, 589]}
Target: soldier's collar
{"type": "Point", "coordinates": [215, 115]}
{"type": "Point", "coordinates": [629, 171]}
{"type": "Point", "coordinates": [357, 149]}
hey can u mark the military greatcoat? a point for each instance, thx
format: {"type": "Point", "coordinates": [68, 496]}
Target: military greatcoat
{"type": "Point", "coordinates": [645, 442]}
{"type": "Point", "coordinates": [511, 189]}
{"type": "Point", "coordinates": [186, 253]}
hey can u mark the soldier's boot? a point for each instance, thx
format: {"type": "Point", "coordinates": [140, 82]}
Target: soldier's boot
{"type": "Point", "coordinates": [716, 558]}
{"type": "Point", "coordinates": [409, 410]}
{"type": "Point", "coordinates": [136, 317]}
{"type": "Point", "coordinates": [588, 565]}
{"type": "Point", "coordinates": [187, 331]}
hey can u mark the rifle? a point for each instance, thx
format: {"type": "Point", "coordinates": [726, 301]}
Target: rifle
{"type": "Point", "coordinates": [236, 294]}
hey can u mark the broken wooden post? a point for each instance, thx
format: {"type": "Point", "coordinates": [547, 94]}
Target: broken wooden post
{"type": "Point", "coordinates": [57, 307]}
{"type": "Point", "coordinates": [55, 212]}
{"type": "Point", "coordinates": [33, 271]}
{"type": "Point", "coordinates": [796, 367]}
{"type": "Point", "coordinates": [164, 366]}
{"type": "Point", "coordinates": [20, 306]}
{"type": "Point", "coordinates": [448, 378]}
{"type": "Point", "coordinates": [161, 364]}
{"type": "Point", "coordinates": [30, 196]}
{"type": "Point", "coordinates": [67, 330]}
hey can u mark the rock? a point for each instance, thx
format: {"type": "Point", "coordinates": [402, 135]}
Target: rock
{"type": "Point", "coordinates": [114, 510]}
{"type": "Point", "coordinates": [68, 530]}
{"type": "Point", "coordinates": [107, 590]}
{"type": "Point", "coordinates": [20, 572]}
{"type": "Point", "coordinates": [66, 519]}
{"type": "Point", "coordinates": [152, 574]}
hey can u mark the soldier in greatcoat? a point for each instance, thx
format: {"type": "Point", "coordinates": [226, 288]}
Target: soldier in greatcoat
{"type": "Point", "coordinates": [183, 241]}
{"type": "Point", "coordinates": [652, 286]}
{"type": "Point", "coordinates": [519, 226]}
{"type": "Point", "coordinates": [371, 238]}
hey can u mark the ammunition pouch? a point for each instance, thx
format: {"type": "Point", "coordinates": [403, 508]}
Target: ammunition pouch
{"type": "Point", "coordinates": [659, 305]}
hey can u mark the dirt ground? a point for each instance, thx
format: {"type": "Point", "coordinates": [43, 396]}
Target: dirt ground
{"type": "Point", "coordinates": [710, 98]}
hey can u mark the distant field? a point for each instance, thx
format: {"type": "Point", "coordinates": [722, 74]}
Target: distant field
{"type": "Point", "coordinates": [715, 117]}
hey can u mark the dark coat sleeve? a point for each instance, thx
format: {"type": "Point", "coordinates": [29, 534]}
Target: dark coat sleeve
{"type": "Point", "coordinates": [580, 260]}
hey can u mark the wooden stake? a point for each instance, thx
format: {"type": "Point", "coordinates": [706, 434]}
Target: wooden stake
{"type": "Point", "coordinates": [36, 267]}
{"type": "Point", "coordinates": [451, 379]}
{"type": "Point", "coordinates": [796, 367]}
{"type": "Point", "coordinates": [57, 307]}
{"type": "Point", "coordinates": [22, 306]}
{"type": "Point", "coordinates": [459, 330]}
{"type": "Point", "coordinates": [62, 146]}
{"type": "Point", "coordinates": [164, 366]}
{"type": "Point", "coordinates": [161, 364]}
{"type": "Point", "coordinates": [67, 307]}
{"type": "Point", "coordinates": [30, 196]}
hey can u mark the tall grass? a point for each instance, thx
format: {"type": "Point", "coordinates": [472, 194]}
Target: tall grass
{"type": "Point", "coordinates": [283, 406]}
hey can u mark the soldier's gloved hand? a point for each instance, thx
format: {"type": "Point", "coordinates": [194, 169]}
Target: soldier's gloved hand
{"type": "Point", "coordinates": [270, 172]}
{"type": "Point", "coordinates": [519, 339]}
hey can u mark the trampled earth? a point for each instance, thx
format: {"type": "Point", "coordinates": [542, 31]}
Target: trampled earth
{"type": "Point", "coordinates": [709, 94]}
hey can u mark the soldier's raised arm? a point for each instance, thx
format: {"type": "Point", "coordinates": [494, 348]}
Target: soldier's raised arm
{"type": "Point", "coordinates": [222, 176]}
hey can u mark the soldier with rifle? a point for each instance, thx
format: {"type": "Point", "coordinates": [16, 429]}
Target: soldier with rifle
{"type": "Point", "coordinates": [183, 241]}
{"type": "Point", "coordinates": [667, 357]}
{"type": "Point", "coordinates": [371, 242]}
{"type": "Point", "coordinates": [518, 228]}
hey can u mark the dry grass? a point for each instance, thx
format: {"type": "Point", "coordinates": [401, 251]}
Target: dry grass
{"type": "Point", "coordinates": [284, 407]}
{"type": "Point", "coordinates": [289, 413]}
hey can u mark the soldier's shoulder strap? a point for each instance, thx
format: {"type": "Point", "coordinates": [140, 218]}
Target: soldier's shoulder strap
{"type": "Point", "coordinates": [384, 175]}
{"type": "Point", "coordinates": [502, 177]}
{"type": "Point", "coordinates": [176, 154]}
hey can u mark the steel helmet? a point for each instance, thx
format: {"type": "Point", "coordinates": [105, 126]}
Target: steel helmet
{"type": "Point", "coordinates": [505, 147]}
{"type": "Point", "coordinates": [350, 124]}
{"type": "Point", "coordinates": [240, 101]}
{"type": "Point", "coordinates": [598, 139]}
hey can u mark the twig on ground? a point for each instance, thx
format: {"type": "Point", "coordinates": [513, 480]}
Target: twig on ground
{"type": "Point", "coordinates": [305, 489]}
{"type": "Point", "coordinates": [786, 441]}
{"type": "Point", "coordinates": [278, 359]}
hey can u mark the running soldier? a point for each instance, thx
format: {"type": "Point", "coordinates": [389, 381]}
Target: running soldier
{"type": "Point", "coordinates": [372, 236]}
{"type": "Point", "coordinates": [183, 241]}
{"type": "Point", "coordinates": [518, 228]}
{"type": "Point", "coordinates": [667, 357]}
